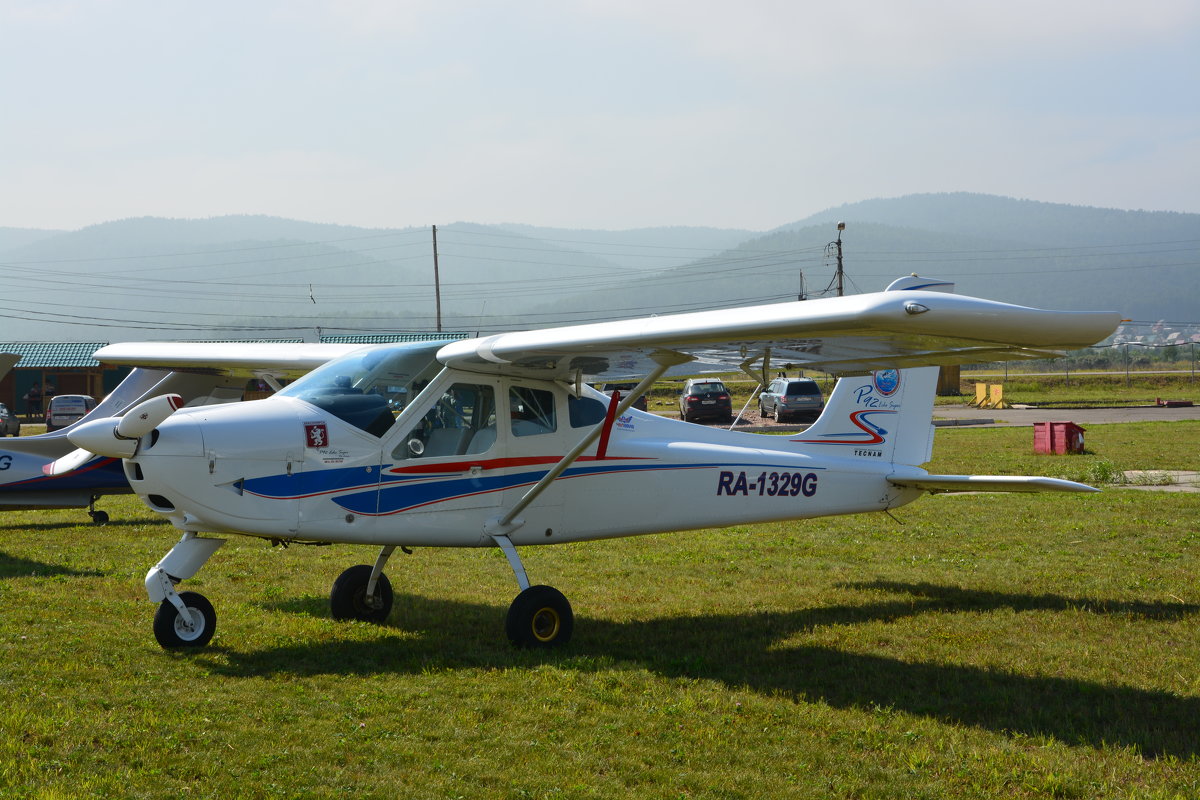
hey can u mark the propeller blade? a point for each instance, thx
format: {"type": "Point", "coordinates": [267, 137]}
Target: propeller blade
{"type": "Point", "coordinates": [68, 463]}
{"type": "Point", "coordinates": [148, 415]}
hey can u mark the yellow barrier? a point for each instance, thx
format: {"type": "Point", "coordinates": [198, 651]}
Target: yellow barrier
{"type": "Point", "coordinates": [980, 395]}
{"type": "Point", "coordinates": [996, 399]}
{"type": "Point", "coordinates": [989, 396]}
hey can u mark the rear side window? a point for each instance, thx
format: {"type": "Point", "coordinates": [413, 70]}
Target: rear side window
{"type": "Point", "coordinates": [585, 411]}
{"type": "Point", "coordinates": [803, 387]}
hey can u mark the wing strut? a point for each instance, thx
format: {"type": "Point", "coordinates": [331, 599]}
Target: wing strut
{"type": "Point", "coordinates": [506, 524]}
{"type": "Point", "coordinates": [606, 427]}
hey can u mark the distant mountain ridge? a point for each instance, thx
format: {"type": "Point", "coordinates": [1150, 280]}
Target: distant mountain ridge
{"type": "Point", "coordinates": [1003, 218]}
{"type": "Point", "coordinates": [261, 277]}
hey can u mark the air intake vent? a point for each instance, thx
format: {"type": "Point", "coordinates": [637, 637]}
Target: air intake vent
{"type": "Point", "coordinates": [159, 503]}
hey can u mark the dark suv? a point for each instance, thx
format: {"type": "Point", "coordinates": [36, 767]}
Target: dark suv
{"type": "Point", "coordinates": [705, 398]}
{"type": "Point", "coordinates": [791, 397]}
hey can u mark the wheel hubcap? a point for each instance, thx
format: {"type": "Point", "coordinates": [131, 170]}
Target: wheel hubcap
{"type": "Point", "coordinates": [546, 624]}
{"type": "Point", "coordinates": [189, 632]}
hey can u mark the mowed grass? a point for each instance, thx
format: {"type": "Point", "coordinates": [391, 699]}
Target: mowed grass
{"type": "Point", "coordinates": [1086, 389]}
{"type": "Point", "coordinates": [974, 646]}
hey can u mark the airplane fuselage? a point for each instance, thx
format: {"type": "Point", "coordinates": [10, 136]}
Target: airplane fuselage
{"type": "Point", "coordinates": [281, 468]}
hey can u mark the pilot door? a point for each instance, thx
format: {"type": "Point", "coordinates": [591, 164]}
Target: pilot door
{"type": "Point", "coordinates": [439, 479]}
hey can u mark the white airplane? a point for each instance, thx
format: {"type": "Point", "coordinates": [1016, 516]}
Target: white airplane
{"type": "Point", "coordinates": [83, 478]}
{"type": "Point", "coordinates": [498, 442]}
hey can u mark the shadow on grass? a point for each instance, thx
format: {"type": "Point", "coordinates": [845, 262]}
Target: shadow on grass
{"type": "Point", "coordinates": [949, 598]}
{"type": "Point", "coordinates": [17, 567]}
{"type": "Point", "coordinates": [82, 522]}
{"type": "Point", "coordinates": [741, 651]}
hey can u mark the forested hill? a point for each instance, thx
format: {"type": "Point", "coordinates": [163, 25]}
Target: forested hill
{"type": "Point", "coordinates": [253, 276]}
{"type": "Point", "coordinates": [1005, 219]}
{"type": "Point", "coordinates": [1144, 264]}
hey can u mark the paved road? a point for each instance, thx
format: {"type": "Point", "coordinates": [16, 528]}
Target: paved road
{"type": "Point", "coordinates": [1080, 416]}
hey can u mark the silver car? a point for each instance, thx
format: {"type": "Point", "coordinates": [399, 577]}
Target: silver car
{"type": "Point", "coordinates": [9, 424]}
{"type": "Point", "coordinates": [791, 397]}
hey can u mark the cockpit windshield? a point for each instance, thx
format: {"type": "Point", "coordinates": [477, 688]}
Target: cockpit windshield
{"type": "Point", "coordinates": [370, 388]}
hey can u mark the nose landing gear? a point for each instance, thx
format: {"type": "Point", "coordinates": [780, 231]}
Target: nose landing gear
{"type": "Point", "coordinates": [187, 619]}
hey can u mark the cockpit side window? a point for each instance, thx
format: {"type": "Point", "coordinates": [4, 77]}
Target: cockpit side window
{"type": "Point", "coordinates": [461, 422]}
{"type": "Point", "coordinates": [531, 411]}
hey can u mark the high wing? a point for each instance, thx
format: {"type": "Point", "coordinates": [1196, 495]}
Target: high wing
{"type": "Point", "coordinates": [232, 359]}
{"type": "Point", "coordinates": [898, 327]}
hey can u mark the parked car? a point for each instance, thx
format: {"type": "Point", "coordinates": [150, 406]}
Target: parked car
{"type": "Point", "coordinates": [791, 397]}
{"type": "Point", "coordinates": [705, 398]}
{"type": "Point", "coordinates": [63, 409]}
{"type": "Point", "coordinates": [624, 389]}
{"type": "Point", "coordinates": [9, 424]}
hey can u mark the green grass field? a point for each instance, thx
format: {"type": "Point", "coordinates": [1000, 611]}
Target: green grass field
{"type": "Point", "coordinates": [976, 646]}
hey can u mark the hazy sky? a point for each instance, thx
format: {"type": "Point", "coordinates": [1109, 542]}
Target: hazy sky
{"type": "Point", "coordinates": [604, 114]}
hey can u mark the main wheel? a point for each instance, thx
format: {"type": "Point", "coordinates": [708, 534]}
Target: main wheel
{"type": "Point", "coordinates": [171, 630]}
{"type": "Point", "coordinates": [99, 517]}
{"type": "Point", "coordinates": [348, 598]}
{"type": "Point", "coordinates": [540, 616]}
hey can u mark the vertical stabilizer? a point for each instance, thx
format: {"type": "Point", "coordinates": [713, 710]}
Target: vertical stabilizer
{"type": "Point", "coordinates": [885, 416]}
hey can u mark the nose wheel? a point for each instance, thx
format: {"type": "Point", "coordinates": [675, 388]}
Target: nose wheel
{"type": "Point", "coordinates": [191, 626]}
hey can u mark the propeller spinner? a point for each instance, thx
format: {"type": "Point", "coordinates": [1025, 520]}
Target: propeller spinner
{"type": "Point", "coordinates": [115, 437]}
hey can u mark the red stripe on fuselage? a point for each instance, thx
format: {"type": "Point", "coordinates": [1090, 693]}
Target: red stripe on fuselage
{"type": "Point", "coordinates": [862, 425]}
{"type": "Point", "coordinates": [497, 463]}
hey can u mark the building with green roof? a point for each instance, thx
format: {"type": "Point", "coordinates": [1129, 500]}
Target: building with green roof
{"type": "Point", "coordinates": [48, 368]}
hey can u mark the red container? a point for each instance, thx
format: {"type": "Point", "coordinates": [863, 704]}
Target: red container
{"type": "Point", "coordinates": [1057, 437]}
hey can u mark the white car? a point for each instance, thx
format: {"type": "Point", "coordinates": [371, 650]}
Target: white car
{"type": "Point", "coordinates": [63, 409]}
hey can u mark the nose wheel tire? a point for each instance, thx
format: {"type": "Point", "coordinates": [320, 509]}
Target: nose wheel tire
{"type": "Point", "coordinates": [540, 617]}
{"type": "Point", "coordinates": [173, 631]}
{"type": "Point", "coordinates": [348, 598]}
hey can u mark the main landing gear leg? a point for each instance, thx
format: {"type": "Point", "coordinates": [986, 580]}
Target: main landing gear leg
{"type": "Point", "coordinates": [363, 592]}
{"type": "Point", "coordinates": [540, 616]}
{"type": "Point", "coordinates": [187, 619]}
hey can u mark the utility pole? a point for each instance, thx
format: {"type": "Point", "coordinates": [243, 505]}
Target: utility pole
{"type": "Point", "coordinates": [437, 282]}
{"type": "Point", "coordinates": [841, 274]}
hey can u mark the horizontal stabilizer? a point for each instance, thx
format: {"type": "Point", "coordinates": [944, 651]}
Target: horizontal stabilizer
{"type": "Point", "coordinates": [7, 360]}
{"type": "Point", "coordinates": [989, 483]}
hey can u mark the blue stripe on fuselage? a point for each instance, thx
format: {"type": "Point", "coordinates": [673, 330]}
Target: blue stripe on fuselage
{"type": "Point", "coordinates": [364, 494]}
